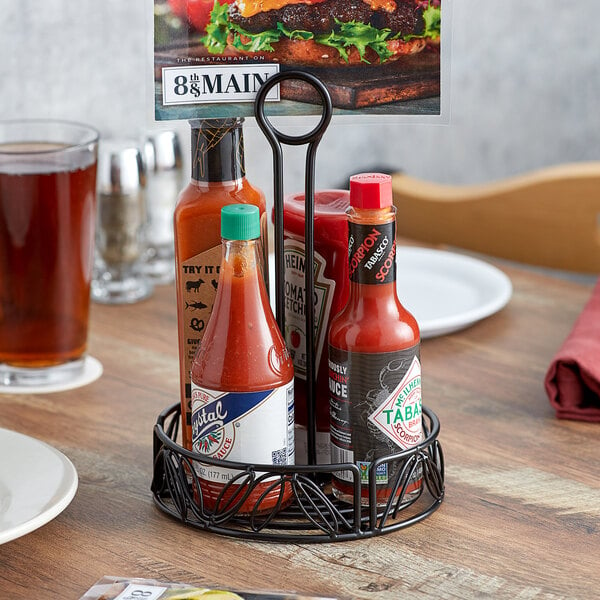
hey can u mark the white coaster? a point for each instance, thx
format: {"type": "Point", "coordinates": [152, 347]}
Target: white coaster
{"type": "Point", "coordinates": [92, 369]}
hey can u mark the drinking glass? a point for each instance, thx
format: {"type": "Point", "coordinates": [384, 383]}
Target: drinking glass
{"type": "Point", "coordinates": [164, 181]}
{"type": "Point", "coordinates": [120, 229]}
{"type": "Point", "coordinates": [47, 212]}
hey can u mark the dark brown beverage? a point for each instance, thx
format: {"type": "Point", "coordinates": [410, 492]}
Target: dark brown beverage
{"type": "Point", "coordinates": [47, 212]}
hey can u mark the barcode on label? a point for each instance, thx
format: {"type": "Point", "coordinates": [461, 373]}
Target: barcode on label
{"type": "Point", "coordinates": [136, 591]}
{"type": "Point", "coordinates": [339, 455]}
{"type": "Point", "coordinates": [280, 457]}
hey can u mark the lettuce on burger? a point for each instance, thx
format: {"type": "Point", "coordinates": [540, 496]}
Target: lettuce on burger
{"type": "Point", "coordinates": [324, 32]}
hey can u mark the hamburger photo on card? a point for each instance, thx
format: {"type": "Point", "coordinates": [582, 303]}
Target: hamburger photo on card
{"type": "Point", "coordinates": [374, 56]}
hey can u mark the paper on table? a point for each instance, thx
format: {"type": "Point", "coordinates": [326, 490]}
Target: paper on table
{"type": "Point", "coordinates": [121, 588]}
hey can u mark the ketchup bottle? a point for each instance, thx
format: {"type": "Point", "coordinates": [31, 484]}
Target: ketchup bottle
{"type": "Point", "coordinates": [331, 294]}
{"type": "Point", "coordinates": [218, 179]}
{"type": "Point", "coordinates": [242, 374]}
{"type": "Point", "coordinates": [374, 367]}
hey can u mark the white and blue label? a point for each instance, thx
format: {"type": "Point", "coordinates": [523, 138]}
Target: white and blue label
{"type": "Point", "coordinates": [248, 427]}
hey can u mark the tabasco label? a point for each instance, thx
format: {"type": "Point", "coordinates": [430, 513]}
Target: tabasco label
{"type": "Point", "coordinates": [375, 407]}
{"type": "Point", "coordinates": [399, 417]}
{"type": "Point", "coordinates": [372, 252]}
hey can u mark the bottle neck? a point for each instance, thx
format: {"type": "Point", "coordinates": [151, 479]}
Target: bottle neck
{"type": "Point", "coordinates": [218, 151]}
{"type": "Point", "coordinates": [241, 257]}
{"type": "Point", "coordinates": [242, 265]}
{"type": "Point", "coordinates": [372, 252]}
{"type": "Point", "coordinates": [241, 282]}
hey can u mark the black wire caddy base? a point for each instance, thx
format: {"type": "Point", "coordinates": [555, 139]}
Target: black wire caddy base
{"type": "Point", "coordinates": [295, 503]}
{"type": "Point", "coordinates": [306, 510]}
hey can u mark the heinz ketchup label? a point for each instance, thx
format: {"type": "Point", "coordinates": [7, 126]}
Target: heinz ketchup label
{"type": "Point", "coordinates": [295, 304]}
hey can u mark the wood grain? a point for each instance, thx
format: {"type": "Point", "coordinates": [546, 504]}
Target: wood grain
{"type": "Point", "coordinates": [520, 518]}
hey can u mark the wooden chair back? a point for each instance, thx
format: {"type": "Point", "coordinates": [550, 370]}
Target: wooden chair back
{"type": "Point", "coordinates": [548, 218]}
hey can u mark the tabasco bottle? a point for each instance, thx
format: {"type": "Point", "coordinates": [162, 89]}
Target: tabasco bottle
{"type": "Point", "coordinates": [242, 375]}
{"type": "Point", "coordinates": [374, 364]}
{"type": "Point", "coordinates": [218, 179]}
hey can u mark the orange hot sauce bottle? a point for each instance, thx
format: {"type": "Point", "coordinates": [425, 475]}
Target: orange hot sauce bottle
{"type": "Point", "coordinates": [218, 179]}
{"type": "Point", "coordinates": [242, 376]}
{"type": "Point", "coordinates": [374, 342]}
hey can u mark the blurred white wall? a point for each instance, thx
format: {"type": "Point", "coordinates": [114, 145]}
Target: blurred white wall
{"type": "Point", "coordinates": [524, 89]}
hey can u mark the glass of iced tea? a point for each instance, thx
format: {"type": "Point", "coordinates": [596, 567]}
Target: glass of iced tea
{"type": "Point", "coordinates": [47, 218]}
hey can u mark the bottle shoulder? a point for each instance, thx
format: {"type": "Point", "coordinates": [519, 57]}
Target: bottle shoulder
{"type": "Point", "coordinates": [227, 371]}
{"type": "Point", "coordinates": [242, 348]}
{"type": "Point", "coordinates": [383, 326]}
{"type": "Point", "coordinates": [201, 198]}
{"type": "Point", "coordinates": [198, 199]}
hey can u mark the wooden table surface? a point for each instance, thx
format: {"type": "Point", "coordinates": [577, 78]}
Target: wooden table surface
{"type": "Point", "coordinates": [520, 518]}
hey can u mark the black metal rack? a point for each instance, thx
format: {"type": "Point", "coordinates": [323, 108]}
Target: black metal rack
{"type": "Point", "coordinates": [313, 514]}
{"type": "Point", "coordinates": [305, 511]}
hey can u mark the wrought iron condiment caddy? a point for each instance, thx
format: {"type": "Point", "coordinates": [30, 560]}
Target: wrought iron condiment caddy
{"type": "Point", "coordinates": [312, 514]}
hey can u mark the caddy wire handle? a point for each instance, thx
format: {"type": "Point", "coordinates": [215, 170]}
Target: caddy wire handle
{"type": "Point", "coordinates": [276, 138]}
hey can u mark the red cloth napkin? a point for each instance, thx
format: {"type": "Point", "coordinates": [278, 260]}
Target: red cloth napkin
{"type": "Point", "coordinates": [573, 379]}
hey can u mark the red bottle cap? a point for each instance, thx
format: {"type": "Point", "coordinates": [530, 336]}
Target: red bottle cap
{"type": "Point", "coordinates": [371, 190]}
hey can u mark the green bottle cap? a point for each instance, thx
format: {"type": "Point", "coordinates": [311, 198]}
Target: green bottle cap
{"type": "Point", "coordinates": [240, 222]}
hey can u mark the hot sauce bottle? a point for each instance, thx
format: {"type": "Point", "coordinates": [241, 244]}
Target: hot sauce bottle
{"type": "Point", "coordinates": [374, 364]}
{"type": "Point", "coordinates": [331, 294]}
{"type": "Point", "coordinates": [218, 179]}
{"type": "Point", "coordinates": [242, 374]}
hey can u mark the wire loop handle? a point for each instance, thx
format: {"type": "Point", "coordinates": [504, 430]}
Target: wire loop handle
{"type": "Point", "coordinates": [276, 138]}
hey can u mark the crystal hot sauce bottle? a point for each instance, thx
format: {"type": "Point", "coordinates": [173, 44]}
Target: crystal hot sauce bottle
{"type": "Point", "coordinates": [218, 179]}
{"type": "Point", "coordinates": [374, 368]}
{"type": "Point", "coordinates": [242, 375]}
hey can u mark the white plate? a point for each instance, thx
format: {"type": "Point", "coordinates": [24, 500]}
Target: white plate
{"type": "Point", "coordinates": [37, 482]}
{"type": "Point", "coordinates": [446, 291]}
